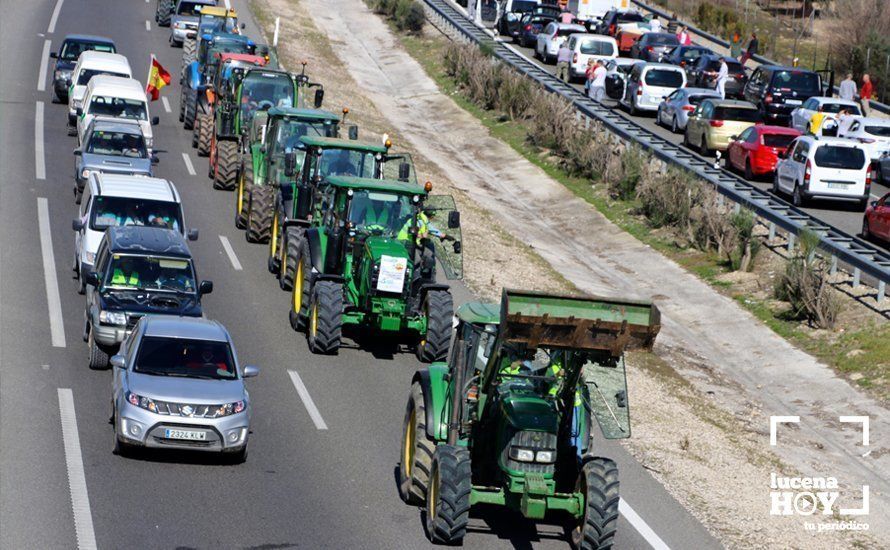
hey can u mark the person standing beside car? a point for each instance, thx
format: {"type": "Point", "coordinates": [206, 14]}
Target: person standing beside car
{"type": "Point", "coordinates": [598, 84]}
{"type": "Point", "coordinates": [735, 46]}
{"type": "Point", "coordinates": [847, 89]}
{"type": "Point", "coordinates": [683, 36]}
{"type": "Point", "coordinates": [655, 24]}
{"type": "Point", "coordinates": [563, 59]}
{"type": "Point", "coordinates": [753, 46]}
{"type": "Point", "coordinates": [865, 93]}
{"type": "Point", "coordinates": [722, 75]}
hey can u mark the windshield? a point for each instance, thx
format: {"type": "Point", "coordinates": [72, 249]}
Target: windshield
{"type": "Point", "coordinates": [186, 358]}
{"type": "Point", "coordinates": [118, 107]}
{"type": "Point", "coordinates": [798, 81]}
{"type": "Point", "coordinates": [347, 162]}
{"type": "Point", "coordinates": [697, 99]}
{"type": "Point", "coordinates": [529, 370]}
{"type": "Point", "coordinates": [664, 78]}
{"type": "Point", "coordinates": [689, 54]}
{"type": "Point", "coordinates": [72, 49]}
{"type": "Point", "coordinates": [781, 141]}
{"type": "Point", "coordinates": [150, 273]}
{"type": "Point", "coordinates": [265, 90]}
{"type": "Point", "coordinates": [117, 144]}
{"type": "Point", "coordinates": [189, 9]}
{"type": "Point", "coordinates": [117, 211]}
{"type": "Point", "coordinates": [837, 107]}
{"type": "Point", "coordinates": [845, 158]}
{"type": "Point", "coordinates": [290, 132]}
{"type": "Point", "coordinates": [740, 114]}
{"type": "Point", "coordinates": [211, 23]}
{"type": "Point", "coordinates": [631, 17]}
{"type": "Point", "coordinates": [382, 212]}
{"type": "Point", "coordinates": [86, 74]}
{"type": "Point", "coordinates": [597, 47]}
{"type": "Point", "coordinates": [523, 5]}
{"type": "Point", "coordinates": [661, 39]}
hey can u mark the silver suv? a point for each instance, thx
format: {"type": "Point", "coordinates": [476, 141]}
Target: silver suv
{"type": "Point", "coordinates": [178, 385]}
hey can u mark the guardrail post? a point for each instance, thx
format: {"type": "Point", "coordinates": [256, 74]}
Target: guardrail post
{"type": "Point", "coordinates": [833, 270]}
{"type": "Point", "coordinates": [587, 123]}
{"type": "Point", "coordinates": [857, 273]}
{"type": "Point", "coordinates": [772, 231]}
{"type": "Point", "coordinates": [881, 286]}
{"type": "Point", "coordinates": [791, 237]}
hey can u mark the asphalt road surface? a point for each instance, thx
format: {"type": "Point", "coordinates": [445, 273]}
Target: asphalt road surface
{"type": "Point", "coordinates": [316, 480]}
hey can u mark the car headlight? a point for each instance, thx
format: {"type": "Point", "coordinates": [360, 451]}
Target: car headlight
{"type": "Point", "coordinates": [142, 402]}
{"type": "Point", "coordinates": [113, 317]}
{"type": "Point", "coordinates": [85, 174]}
{"type": "Point", "coordinates": [62, 75]}
{"type": "Point", "coordinates": [231, 408]}
{"type": "Point", "coordinates": [90, 258]}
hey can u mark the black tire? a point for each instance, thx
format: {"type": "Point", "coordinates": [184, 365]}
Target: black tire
{"type": "Point", "coordinates": [260, 209]}
{"type": "Point", "coordinates": [797, 197]}
{"type": "Point", "coordinates": [595, 530]}
{"type": "Point", "coordinates": [438, 307]}
{"type": "Point", "coordinates": [164, 13]}
{"type": "Point", "coordinates": [325, 324]}
{"type": "Point", "coordinates": [190, 109]}
{"type": "Point", "coordinates": [866, 232]}
{"type": "Point", "coordinates": [276, 238]}
{"type": "Point", "coordinates": [863, 205]}
{"type": "Point", "coordinates": [203, 133]}
{"type": "Point", "coordinates": [776, 189]}
{"type": "Point", "coordinates": [242, 191]}
{"type": "Point", "coordinates": [302, 289]}
{"type": "Point", "coordinates": [189, 52]}
{"type": "Point", "coordinates": [675, 128]}
{"type": "Point", "coordinates": [195, 130]}
{"type": "Point", "coordinates": [98, 357]}
{"type": "Point", "coordinates": [703, 147]}
{"type": "Point", "coordinates": [448, 496]}
{"type": "Point", "coordinates": [227, 161]}
{"type": "Point", "coordinates": [417, 451]}
{"type": "Point", "coordinates": [291, 247]}
{"type": "Point", "coordinates": [749, 173]}
{"type": "Point", "coordinates": [182, 105]}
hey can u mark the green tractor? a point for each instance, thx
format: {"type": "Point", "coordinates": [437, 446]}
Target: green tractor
{"type": "Point", "coordinates": [272, 135]}
{"type": "Point", "coordinates": [369, 262]}
{"type": "Point", "coordinates": [295, 206]}
{"type": "Point", "coordinates": [507, 421]}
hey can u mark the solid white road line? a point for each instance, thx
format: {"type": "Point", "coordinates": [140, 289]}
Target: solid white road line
{"type": "Point", "coordinates": [307, 400]}
{"type": "Point", "coordinates": [55, 17]}
{"type": "Point", "coordinates": [641, 526]}
{"type": "Point", "coordinates": [54, 303]}
{"type": "Point", "coordinates": [228, 5]}
{"type": "Point", "coordinates": [77, 480]}
{"type": "Point", "coordinates": [188, 164]}
{"type": "Point", "coordinates": [166, 103]}
{"type": "Point", "coordinates": [230, 252]}
{"type": "Point", "coordinates": [147, 25]}
{"type": "Point", "coordinates": [39, 160]}
{"type": "Point", "coordinates": [41, 78]}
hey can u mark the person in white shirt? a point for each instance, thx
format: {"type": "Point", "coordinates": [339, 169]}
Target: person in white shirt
{"type": "Point", "coordinates": [598, 85]}
{"type": "Point", "coordinates": [655, 24]}
{"type": "Point", "coordinates": [722, 75]}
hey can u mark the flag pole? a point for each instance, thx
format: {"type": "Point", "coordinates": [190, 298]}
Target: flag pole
{"type": "Point", "coordinates": [151, 62]}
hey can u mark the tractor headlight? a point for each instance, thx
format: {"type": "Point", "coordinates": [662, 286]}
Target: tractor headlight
{"type": "Point", "coordinates": [522, 455]}
{"type": "Point", "coordinates": [545, 457]}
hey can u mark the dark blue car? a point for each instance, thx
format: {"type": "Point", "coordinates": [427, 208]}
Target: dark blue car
{"type": "Point", "coordinates": [530, 26]}
{"type": "Point", "coordinates": [66, 59]}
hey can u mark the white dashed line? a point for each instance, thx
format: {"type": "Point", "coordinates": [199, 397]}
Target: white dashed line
{"type": "Point", "coordinates": [307, 400]}
{"type": "Point", "coordinates": [54, 303]}
{"type": "Point", "coordinates": [147, 25]}
{"type": "Point", "coordinates": [39, 160]}
{"type": "Point", "coordinates": [166, 103]}
{"type": "Point", "coordinates": [77, 479]}
{"type": "Point", "coordinates": [641, 526]}
{"type": "Point", "coordinates": [230, 252]}
{"type": "Point", "coordinates": [188, 164]}
{"type": "Point", "coordinates": [41, 78]}
{"type": "Point", "coordinates": [228, 5]}
{"type": "Point", "coordinates": [55, 17]}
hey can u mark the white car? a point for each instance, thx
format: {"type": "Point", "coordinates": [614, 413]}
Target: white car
{"type": "Point", "coordinates": [552, 37]}
{"type": "Point", "coordinates": [825, 168]}
{"type": "Point", "coordinates": [649, 83]}
{"type": "Point", "coordinates": [114, 96]}
{"type": "Point", "coordinates": [590, 46]}
{"type": "Point", "coordinates": [90, 64]}
{"type": "Point", "coordinates": [111, 200]}
{"type": "Point", "coordinates": [800, 117]}
{"type": "Point", "coordinates": [873, 133]}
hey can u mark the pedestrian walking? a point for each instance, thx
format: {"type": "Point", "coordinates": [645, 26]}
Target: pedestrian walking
{"type": "Point", "coordinates": [588, 74]}
{"type": "Point", "coordinates": [672, 24]}
{"type": "Point", "coordinates": [722, 75]}
{"type": "Point", "coordinates": [563, 58]}
{"type": "Point", "coordinates": [683, 36]}
{"type": "Point", "coordinates": [655, 24]}
{"type": "Point", "coordinates": [865, 94]}
{"type": "Point", "coordinates": [735, 46]}
{"type": "Point", "coordinates": [847, 89]}
{"type": "Point", "coordinates": [753, 48]}
{"type": "Point", "coordinates": [598, 84]}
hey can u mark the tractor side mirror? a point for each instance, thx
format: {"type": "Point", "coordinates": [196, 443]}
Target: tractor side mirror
{"type": "Point", "coordinates": [192, 234]}
{"type": "Point", "coordinates": [77, 224]}
{"type": "Point", "coordinates": [206, 287]}
{"type": "Point", "coordinates": [92, 279]}
{"type": "Point", "coordinates": [457, 247]}
{"type": "Point", "coordinates": [155, 120]}
{"type": "Point", "coordinates": [453, 219]}
{"type": "Point", "coordinates": [319, 98]}
{"type": "Point", "coordinates": [353, 132]}
{"type": "Point", "coordinates": [53, 55]}
{"type": "Point", "coordinates": [78, 152]}
{"type": "Point", "coordinates": [290, 164]}
{"type": "Point", "coordinates": [404, 171]}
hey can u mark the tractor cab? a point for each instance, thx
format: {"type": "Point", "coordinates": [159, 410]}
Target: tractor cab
{"type": "Point", "coordinates": [216, 19]}
{"type": "Point", "coordinates": [260, 89]}
{"type": "Point", "coordinates": [213, 46]}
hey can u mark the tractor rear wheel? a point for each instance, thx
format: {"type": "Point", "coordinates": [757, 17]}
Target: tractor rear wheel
{"type": "Point", "coordinates": [438, 307]}
{"type": "Point", "coordinates": [302, 289]}
{"type": "Point", "coordinates": [165, 9]}
{"type": "Point", "coordinates": [448, 496]}
{"type": "Point", "coordinates": [417, 451]}
{"type": "Point", "coordinates": [242, 191]}
{"type": "Point", "coordinates": [325, 318]}
{"type": "Point", "coordinates": [598, 481]}
{"type": "Point", "coordinates": [189, 52]}
{"type": "Point", "coordinates": [290, 250]}
{"type": "Point", "coordinates": [260, 208]}
{"type": "Point", "coordinates": [203, 133]}
{"type": "Point", "coordinates": [227, 160]}
{"type": "Point", "coordinates": [190, 110]}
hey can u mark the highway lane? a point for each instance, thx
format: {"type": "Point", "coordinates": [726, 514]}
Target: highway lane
{"type": "Point", "coordinates": [300, 485]}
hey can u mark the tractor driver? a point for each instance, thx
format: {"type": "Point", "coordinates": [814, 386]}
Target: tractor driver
{"type": "Point", "coordinates": [342, 165]}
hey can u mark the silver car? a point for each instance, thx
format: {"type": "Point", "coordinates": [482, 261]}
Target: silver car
{"type": "Point", "coordinates": [185, 18]}
{"type": "Point", "coordinates": [674, 111]}
{"type": "Point", "coordinates": [178, 385]}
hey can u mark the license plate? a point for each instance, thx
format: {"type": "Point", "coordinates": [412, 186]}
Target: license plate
{"type": "Point", "coordinates": [189, 435]}
{"type": "Point", "coordinates": [838, 185]}
{"type": "Point", "coordinates": [793, 102]}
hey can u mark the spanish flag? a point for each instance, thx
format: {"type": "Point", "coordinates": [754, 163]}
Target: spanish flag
{"type": "Point", "coordinates": [158, 77]}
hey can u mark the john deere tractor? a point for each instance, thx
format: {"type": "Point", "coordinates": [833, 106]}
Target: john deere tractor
{"type": "Point", "coordinates": [317, 158]}
{"type": "Point", "coordinates": [370, 263]}
{"type": "Point", "coordinates": [255, 90]}
{"type": "Point", "coordinates": [213, 19]}
{"type": "Point", "coordinates": [506, 422]}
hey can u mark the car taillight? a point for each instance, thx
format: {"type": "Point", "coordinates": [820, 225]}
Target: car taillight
{"type": "Point", "coordinates": [808, 171]}
{"type": "Point", "coordinates": [869, 176]}
{"type": "Point", "coordinates": [575, 57]}
{"type": "Point", "coordinates": [740, 75]}
{"type": "Point", "coordinates": [715, 123]}
{"type": "Point", "coordinates": [768, 99]}
{"type": "Point", "coordinates": [640, 90]}
{"type": "Point", "coordinates": [682, 63]}
{"type": "Point", "coordinates": [528, 27]}
{"type": "Point", "coordinates": [649, 48]}
{"type": "Point", "coordinates": [689, 108]}
{"type": "Point", "coordinates": [612, 29]}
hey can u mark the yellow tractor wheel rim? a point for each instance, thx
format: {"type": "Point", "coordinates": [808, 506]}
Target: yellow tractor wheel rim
{"type": "Point", "coordinates": [239, 196]}
{"type": "Point", "coordinates": [273, 238]}
{"type": "Point", "coordinates": [298, 289]}
{"type": "Point", "coordinates": [432, 495]}
{"type": "Point", "coordinates": [408, 451]}
{"type": "Point", "coordinates": [313, 324]}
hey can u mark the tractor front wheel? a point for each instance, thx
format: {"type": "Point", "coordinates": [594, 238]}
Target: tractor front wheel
{"type": "Point", "coordinates": [189, 52]}
{"type": "Point", "coordinates": [227, 161]}
{"type": "Point", "coordinates": [325, 318]}
{"type": "Point", "coordinates": [417, 451]}
{"type": "Point", "coordinates": [448, 496]}
{"type": "Point", "coordinates": [290, 248]}
{"type": "Point", "coordinates": [302, 289]}
{"type": "Point", "coordinates": [598, 482]}
{"type": "Point", "coordinates": [438, 307]}
{"type": "Point", "coordinates": [164, 12]}
{"type": "Point", "coordinates": [190, 110]}
{"type": "Point", "coordinates": [203, 133]}
{"type": "Point", "coordinates": [260, 208]}
{"type": "Point", "coordinates": [242, 191]}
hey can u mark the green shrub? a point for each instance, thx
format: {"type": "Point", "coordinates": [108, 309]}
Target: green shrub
{"type": "Point", "coordinates": [409, 16]}
{"type": "Point", "coordinates": [747, 245]}
{"type": "Point", "coordinates": [805, 286]}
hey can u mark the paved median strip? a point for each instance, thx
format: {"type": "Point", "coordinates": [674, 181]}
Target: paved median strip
{"type": "Point", "coordinates": [77, 481]}
{"type": "Point", "coordinates": [39, 160]}
{"type": "Point", "coordinates": [188, 164]}
{"type": "Point", "coordinates": [53, 300]}
{"type": "Point", "coordinates": [307, 400]}
{"type": "Point", "coordinates": [230, 252]}
{"type": "Point", "coordinates": [44, 59]}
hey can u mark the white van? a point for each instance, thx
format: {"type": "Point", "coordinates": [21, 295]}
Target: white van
{"type": "Point", "coordinates": [590, 46]}
{"type": "Point", "coordinates": [118, 97]}
{"type": "Point", "coordinates": [649, 83]}
{"type": "Point", "coordinates": [90, 64]}
{"type": "Point", "coordinates": [589, 11]}
{"type": "Point", "coordinates": [112, 200]}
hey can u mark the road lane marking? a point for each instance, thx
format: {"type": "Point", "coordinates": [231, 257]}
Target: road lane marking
{"type": "Point", "coordinates": [41, 78]}
{"type": "Point", "coordinates": [39, 160]}
{"type": "Point", "coordinates": [230, 252]}
{"type": "Point", "coordinates": [54, 18]}
{"type": "Point", "coordinates": [166, 103]}
{"type": "Point", "coordinates": [228, 5]}
{"type": "Point", "coordinates": [188, 164]}
{"type": "Point", "coordinates": [54, 303]}
{"type": "Point", "coordinates": [77, 479]}
{"type": "Point", "coordinates": [641, 526]}
{"type": "Point", "coordinates": [147, 25]}
{"type": "Point", "coordinates": [307, 400]}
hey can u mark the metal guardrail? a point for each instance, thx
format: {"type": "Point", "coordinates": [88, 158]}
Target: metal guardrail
{"type": "Point", "coordinates": [877, 106]}
{"type": "Point", "coordinates": [860, 256]}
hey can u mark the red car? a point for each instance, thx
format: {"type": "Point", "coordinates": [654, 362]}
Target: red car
{"type": "Point", "coordinates": [756, 151]}
{"type": "Point", "coordinates": [876, 222]}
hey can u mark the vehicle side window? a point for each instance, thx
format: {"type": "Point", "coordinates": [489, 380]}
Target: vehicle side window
{"type": "Point", "coordinates": [854, 127]}
{"type": "Point", "coordinates": [800, 153]}
{"type": "Point", "coordinates": [674, 95]}
{"type": "Point", "coordinates": [758, 77]}
{"type": "Point", "coordinates": [102, 258]}
{"type": "Point", "coordinates": [707, 109]}
{"type": "Point", "coordinates": [746, 135]}
{"type": "Point", "coordinates": [572, 43]}
{"type": "Point", "coordinates": [752, 136]}
{"type": "Point", "coordinates": [85, 200]}
{"type": "Point", "coordinates": [550, 28]}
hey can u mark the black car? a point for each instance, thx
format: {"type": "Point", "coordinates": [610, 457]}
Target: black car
{"type": "Point", "coordinates": [530, 26]}
{"type": "Point", "coordinates": [685, 55]}
{"type": "Point", "coordinates": [509, 20]}
{"type": "Point", "coordinates": [653, 46]}
{"type": "Point", "coordinates": [139, 270]}
{"type": "Point", "coordinates": [779, 90]}
{"type": "Point", "coordinates": [703, 74]}
{"type": "Point", "coordinates": [613, 18]}
{"type": "Point", "coordinates": [66, 59]}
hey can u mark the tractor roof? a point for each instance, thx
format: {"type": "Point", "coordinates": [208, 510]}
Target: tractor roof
{"type": "Point", "coordinates": [336, 143]}
{"type": "Point", "coordinates": [229, 37]}
{"type": "Point", "coordinates": [312, 114]}
{"type": "Point", "coordinates": [393, 186]}
{"type": "Point", "coordinates": [218, 11]}
{"type": "Point", "coordinates": [245, 57]}
{"type": "Point", "coordinates": [480, 313]}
